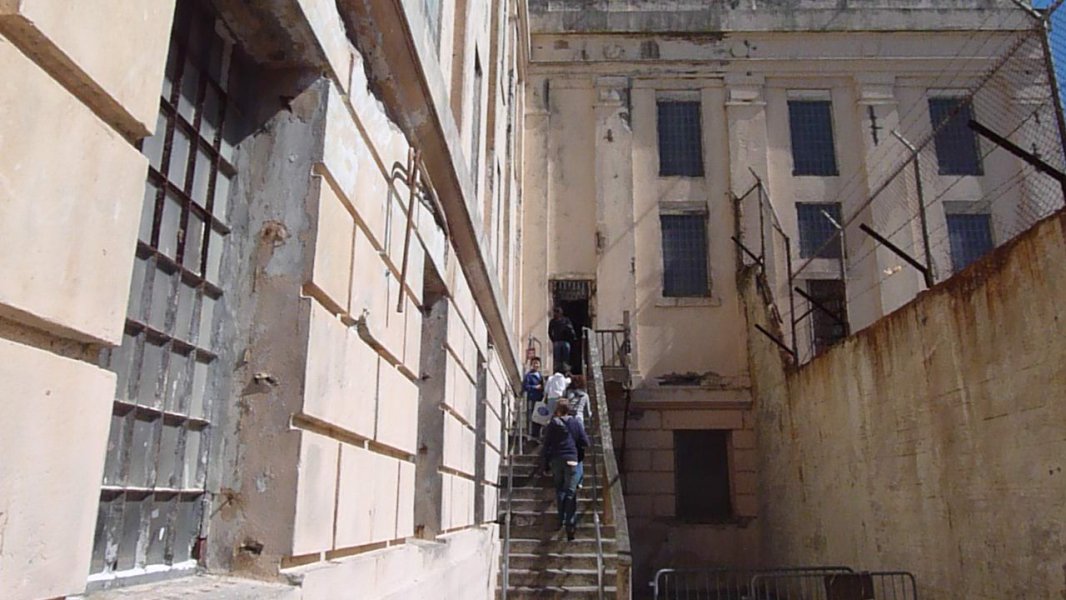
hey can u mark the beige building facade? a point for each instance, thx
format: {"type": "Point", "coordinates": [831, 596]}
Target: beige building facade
{"type": "Point", "coordinates": [270, 271]}
{"type": "Point", "coordinates": [260, 294]}
{"type": "Point", "coordinates": [647, 126]}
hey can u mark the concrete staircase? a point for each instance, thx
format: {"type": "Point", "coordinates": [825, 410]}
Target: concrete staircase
{"type": "Point", "coordinates": [543, 564]}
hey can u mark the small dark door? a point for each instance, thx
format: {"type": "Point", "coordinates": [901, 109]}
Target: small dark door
{"type": "Point", "coordinates": [574, 297]}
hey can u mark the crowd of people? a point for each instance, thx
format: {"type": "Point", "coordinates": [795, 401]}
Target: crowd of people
{"type": "Point", "coordinates": [556, 410]}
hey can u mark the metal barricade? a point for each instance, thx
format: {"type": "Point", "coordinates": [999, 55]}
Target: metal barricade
{"type": "Point", "coordinates": [883, 585]}
{"type": "Point", "coordinates": [724, 583]}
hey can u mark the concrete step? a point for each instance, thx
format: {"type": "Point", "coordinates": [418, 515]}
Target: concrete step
{"type": "Point", "coordinates": [532, 453]}
{"type": "Point", "coordinates": [570, 560]}
{"type": "Point", "coordinates": [550, 517]}
{"type": "Point", "coordinates": [547, 593]}
{"type": "Point", "coordinates": [542, 505]}
{"type": "Point", "coordinates": [548, 529]}
{"type": "Point", "coordinates": [533, 468]}
{"type": "Point", "coordinates": [543, 493]}
{"type": "Point", "coordinates": [581, 544]}
{"type": "Point", "coordinates": [557, 577]}
{"type": "Point", "coordinates": [543, 481]}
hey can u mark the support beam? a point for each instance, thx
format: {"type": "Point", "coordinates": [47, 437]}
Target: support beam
{"type": "Point", "coordinates": [1033, 160]}
{"type": "Point", "coordinates": [899, 252]}
{"type": "Point", "coordinates": [776, 341]}
{"type": "Point", "coordinates": [821, 307]}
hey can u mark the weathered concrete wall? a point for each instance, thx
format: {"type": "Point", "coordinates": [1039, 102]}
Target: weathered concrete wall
{"type": "Point", "coordinates": [329, 447]}
{"type": "Point", "coordinates": [659, 538]}
{"type": "Point", "coordinates": [318, 374]}
{"type": "Point", "coordinates": [693, 16]}
{"type": "Point", "coordinates": [71, 184]}
{"type": "Point", "coordinates": [326, 483]}
{"type": "Point", "coordinates": [932, 441]}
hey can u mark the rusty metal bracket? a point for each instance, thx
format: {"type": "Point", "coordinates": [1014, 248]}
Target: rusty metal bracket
{"type": "Point", "coordinates": [821, 307]}
{"type": "Point", "coordinates": [758, 259]}
{"type": "Point", "coordinates": [414, 162]}
{"type": "Point", "coordinates": [1030, 158]}
{"type": "Point", "coordinates": [776, 341]}
{"type": "Point", "coordinates": [899, 252]}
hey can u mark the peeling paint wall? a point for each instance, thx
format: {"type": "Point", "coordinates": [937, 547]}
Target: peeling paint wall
{"type": "Point", "coordinates": [933, 441]}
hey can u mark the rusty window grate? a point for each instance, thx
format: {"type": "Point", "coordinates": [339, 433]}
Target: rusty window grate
{"type": "Point", "coordinates": [816, 230]}
{"type": "Point", "coordinates": [685, 255]}
{"type": "Point", "coordinates": [566, 290]}
{"type": "Point", "coordinates": [680, 143]}
{"type": "Point", "coordinates": [957, 151]}
{"type": "Point", "coordinates": [826, 331]}
{"type": "Point", "coordinates": [475, 124]}
{"type": "Point", "coordinates": [971, 238]}
{"type": "Point", "coordinates": [153, 492]}
{"type": "Point", "coordinates": [811, 127]}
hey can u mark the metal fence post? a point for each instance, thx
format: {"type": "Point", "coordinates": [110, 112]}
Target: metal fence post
{"type": "Point", "coordinates": [791, 298]}
{"type": "Point", "coordinates": [1053, 79]}
{"type": "Point", "coordinates": [923, 217]}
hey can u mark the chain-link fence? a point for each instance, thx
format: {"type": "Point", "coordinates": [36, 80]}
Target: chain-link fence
{"type": "Point", "coordinates": [977, 160]}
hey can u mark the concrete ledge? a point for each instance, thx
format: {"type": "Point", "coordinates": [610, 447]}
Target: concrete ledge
{"type": "Point", "coordinates": [109, 54]}
{"type": "Point", "coordinates": [53, 462]}
{"type": "Point", "coordinates": [68, 216]}
{"type": "Point", "coordinates": [769, 15]}
{"type": "Point", "coordinates": [202, 586]}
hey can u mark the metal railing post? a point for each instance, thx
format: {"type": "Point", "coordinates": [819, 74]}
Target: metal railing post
{"type": "Point", "coordinates": [923, 218]}
{"type": "Point", "coordinates": [791, 298]}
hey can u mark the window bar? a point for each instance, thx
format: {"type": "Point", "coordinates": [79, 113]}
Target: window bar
{"type": "Point", "coordinates": [153, 488]}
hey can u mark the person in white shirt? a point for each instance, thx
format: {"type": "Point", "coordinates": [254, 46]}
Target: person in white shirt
{"type": "Point", "coordinates": [556, 385]}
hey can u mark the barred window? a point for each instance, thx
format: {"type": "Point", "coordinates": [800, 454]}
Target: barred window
{"type": "Point", "coordinates": [971, 238]}
{"type": "Point", "coordinates": [154, 485]}
{"type": "Point", "coordinates": [701, 486]}
{"type": "Point", "coordinates": [685, 255]}
{"type": "Point", "coordinates": [432, 11]}
{"type": "Point", "coordinates": [475, 124]}
{"type": "Point", "coordinates": [816, 231]}
{"type": "Point", "coordinates": [830, 293]}
{"type": "Point", "coordinates": [957, 150]}
{"type": "Point", "coordinates": [680, 139]}
{"type": "Point", "coordinates": [811, 127]}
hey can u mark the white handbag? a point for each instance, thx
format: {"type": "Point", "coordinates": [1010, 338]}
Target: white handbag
{"type": "Point", "coordinates": [541, 414]}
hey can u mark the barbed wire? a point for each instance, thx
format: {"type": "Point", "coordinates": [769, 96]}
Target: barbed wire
{"type": "Point", "coordinates": [1004, 87]}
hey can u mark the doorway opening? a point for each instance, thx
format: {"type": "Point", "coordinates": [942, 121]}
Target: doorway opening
{"type": "Point", "coordinates": [574, 296]}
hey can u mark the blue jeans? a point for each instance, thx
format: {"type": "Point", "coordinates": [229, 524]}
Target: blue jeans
{"type": "Point", "coordinates": [560, 354]}
{"type": "Point", "coordinates": [566, 478]}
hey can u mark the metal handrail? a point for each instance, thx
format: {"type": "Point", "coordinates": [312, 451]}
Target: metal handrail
{"type": "Point", "coordinates": [609, 490]}
{"type": "Point", "coordinates": [597, 489]}
{"type": "Point", "coordinates": [507, 503]}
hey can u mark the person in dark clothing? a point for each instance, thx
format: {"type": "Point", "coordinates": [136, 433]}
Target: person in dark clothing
{"type": "Point", "coordinates": [563, 452]}
{"type": "Point", "coordinates": [533, 385]}
{"type": "Point", "coordinates": [562, 334]}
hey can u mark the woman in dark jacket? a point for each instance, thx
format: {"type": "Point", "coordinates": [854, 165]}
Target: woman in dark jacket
{"type": "Point", "coordinates": [563, 452]}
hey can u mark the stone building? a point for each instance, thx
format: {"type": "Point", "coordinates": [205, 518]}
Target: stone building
{"type": "Point", "coordinates": [269, 271]}
{"type": "Point", "coordinates": [260, 293]}
{"type": "Point", "coordinates": [645, 125]}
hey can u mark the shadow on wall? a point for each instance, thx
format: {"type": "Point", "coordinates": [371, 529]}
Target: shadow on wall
{"type": "Point", "coordinates": [942, 422]}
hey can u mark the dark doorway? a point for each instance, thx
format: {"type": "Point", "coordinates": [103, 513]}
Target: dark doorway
{"type": "Point", "coordinates": [701, 484]}
{"type": "Point", "coordinates": [573, 297]}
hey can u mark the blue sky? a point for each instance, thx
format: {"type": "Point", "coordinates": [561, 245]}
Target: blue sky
{"type": "Point", "coordinates": [1058, 40]}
